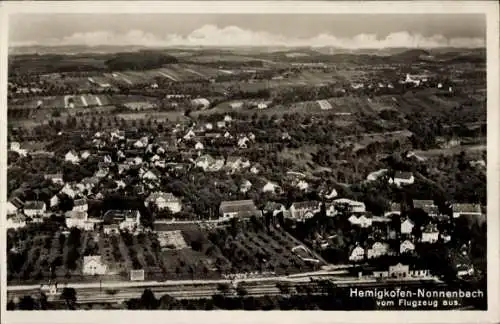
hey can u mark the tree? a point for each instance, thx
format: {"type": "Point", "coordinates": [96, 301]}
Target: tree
{"type": "Point", "coordinates": [27, 303]}
{"type": "Point", "coordinates": [241, 291]}
{"type": "Point", "coordinates": [69, 296]}
{"type": "Point", "coordinates": [284, 287]}
{"type": "Point", "coordinates": [148, 300]}
{"type": "Point", "coordinates": [223, 288]}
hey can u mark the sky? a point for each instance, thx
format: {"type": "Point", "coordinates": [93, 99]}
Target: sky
{"type": "Point", "coordinates": [339, 30]}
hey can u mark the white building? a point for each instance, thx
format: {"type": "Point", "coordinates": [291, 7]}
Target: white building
{"type": "Point", "coordinates": [357, 254]}
{"type": "Point", "coordinates": [406, 247]}
{"type": "Point", "coordinates": [76, 219]}
{"type": "Point", "coordinates": [466, 209]}
{"type": "Point", "coordinates": [72, 157]}
{"type": "Point", "coordinates": [80, 205]}
{"type": "Point", "coordinates": [93, 265]}
{"type": "Point", "coordinates": [164, 201]}
{"type": "Point", "coordinates": [402, 178]}
{"type": "Point", "coordinates": [34, 208]}
{"type": "Point", "coordinates": [355, 206]}
{"type": "Point", "coordinates": [377, 250]}
{"type": "Point", "coordinates": [16, 222]}
{"type": "Point", "coordinates": [407, 227]}
{"type": "Point", "coordinates": [11, 209]}
{"type": "Point", "coordinates": [270, 187]}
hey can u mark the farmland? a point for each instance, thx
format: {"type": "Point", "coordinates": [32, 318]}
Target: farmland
{"type": "Point", "coordinates": [191, 252]}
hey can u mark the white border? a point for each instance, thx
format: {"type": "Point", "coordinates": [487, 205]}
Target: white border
{"type": "Point", "coordinates": [489, 8]}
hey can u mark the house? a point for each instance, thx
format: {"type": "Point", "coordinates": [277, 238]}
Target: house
{"type": "Point", "coordinates": [302, 185]}
{"type": "Point", "coordinates": [11, 209]}
{"type": "Point", "coordinates": [76, 218]}
{"type": "Point", "coordinates": [236, 105]}
{"type": "Point", "coordinates": [34, 208]}
{"type": "Point", "coordinates": [209, 126]}
{"type": "Point", "coordinates": [204, 161]}
{"type": "Point", "coordinates": [377, 250]}
{"type": "Point", "coordinates": [189, 135]}
{"type": "Point", "coordinates": [399, 271]}
{"type": "Point", "coordinates": [93, 265]}
{"type": "Point", "coordinates": [464, 270]}
{"type": "Point", "coordinates": [101, 173]}
{"type": "Point", "coordinates": [148, 175]}
{"type": "Point", "coordinates": [54, 201]}
{"type": "Point", "coordinates": [141, 143]}
{"type": "Point", "coordinates": [235, 162]}
{"type": "Point", "coordinates": [111, 229]}
{"type": "Point", "coordinates": [242, 142]}
{"type": "Point", "coordinates": [357, 254]}
{"type": "Point", "coordinates": [72, 157]}
{"type": "Point", "coordinates": [228, 135]}
{"type": "Point", "coordinates": [126, 219]}
{"type": "Point", "coordinates": [137, 275]}
{"type": "Point", "coordinates": [245, 186]}
{"type": "Point", "coordinates": [68, 190]}
{"type": "Point", "coordinates": [331, 195]}
{"type": "Point", "coordinates": [407, 227]}
{"type": "Point", "coordinates": [353, 206]}
{"type": "Point", "coordinates": [402, 178]}
{"type": "Point", "coordinates": [376, 175]}
{"type": "Point", "coordinates": [238, 209]}
{"type": "Point", "coordinates": [274, 207]}
{"type": "Point", "coordinates": [221, 124]}
{"type": "Point", "coordinates": [361, 221]}
{"type": "Point", "coordinates": [466, 209]}
{"type": "Point", "coordinates": [394, 209]}
{"type": "Point", "coordinates": [16, 222]}
{"type": "Point", "coordinates": [262, 105]}
{"type": "Point", "coordinates": [305, 209]}
{"type": "Point", "coordinates": [427, 206]}
{"type": "Point", "coordinates": [198, 146]}
{"type": "Point", "coordinates": [164, 201]}
{"type": "Point", "coordinates": [200, 103]}
{"type": "Point", "coordinates": [85, 155]}
{"type": "Point", "coordinates": [80, 205]}
{"type": "Point", "coordinates": [56, 178]}
{"type": "Point", "coordinates": [270, 187]}
{"type": "Point", "coordinates": [228, 119]}
{"type": "Point", "coordinates": [430, 234]}
{"type": "Point", "coordinates": [406, 247]}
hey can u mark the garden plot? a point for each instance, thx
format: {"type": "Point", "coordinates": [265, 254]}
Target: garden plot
{"type": "Point", "coordinates": [172, 240]}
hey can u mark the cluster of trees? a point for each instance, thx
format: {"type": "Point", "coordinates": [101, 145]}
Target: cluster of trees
{"type": "Point", "coordinates": [142, 60]}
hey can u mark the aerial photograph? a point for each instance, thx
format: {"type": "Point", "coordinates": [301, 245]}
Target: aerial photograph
{"type": "Point", "coordinates": [246, 162]}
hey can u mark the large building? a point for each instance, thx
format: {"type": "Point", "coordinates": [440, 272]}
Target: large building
{"type": "Point", "coordinates": [238, 209]}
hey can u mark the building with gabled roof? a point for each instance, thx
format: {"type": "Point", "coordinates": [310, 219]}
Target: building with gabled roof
{"type": "Point", "coordinates": [238, 209]}
{"type": "Point", "coordinates": [164, 201]}
{"type": "Point", "coordinates": [305, 209]}
{"type": "Point", "coordinates": [466, 209]}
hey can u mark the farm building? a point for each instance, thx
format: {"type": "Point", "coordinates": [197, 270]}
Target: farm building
{"type": "Point", "coordinates": [238, 209]}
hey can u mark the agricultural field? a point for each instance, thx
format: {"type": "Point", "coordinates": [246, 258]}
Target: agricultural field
{"type": "Point", "coordinates": [254, 248]}
{"type": "Point", "coordinates": [45, 254]}
{"type": "Point", "coordinates": [192, 252]}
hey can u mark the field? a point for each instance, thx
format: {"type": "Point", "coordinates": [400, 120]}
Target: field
{"type": "Point", "coordinates": [80, 101]}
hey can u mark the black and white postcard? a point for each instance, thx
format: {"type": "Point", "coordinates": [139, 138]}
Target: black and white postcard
{"type": "Point", "coordinates": [254, 161]}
